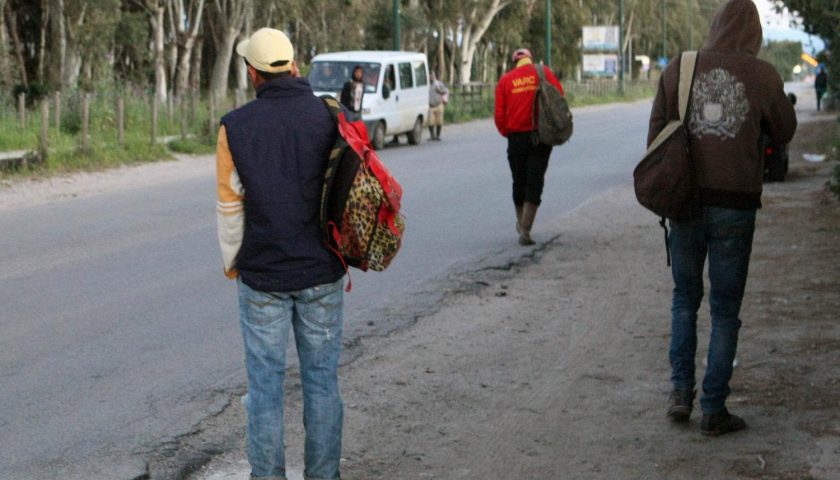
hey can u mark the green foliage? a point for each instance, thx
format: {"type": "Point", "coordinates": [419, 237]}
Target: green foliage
{"type": "Point", "coordinates": [819, 17]}
{"type": "Point", "coordinates": [783, 56]}
{"type": "Point", "coordinates": [204, 145]}
{"type": "Point", "coordinates": [34, 93]}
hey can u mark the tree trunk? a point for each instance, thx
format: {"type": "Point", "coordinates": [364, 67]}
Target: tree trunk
{"type": "Point", "coordinates": [186, 46]}
{"type": "Point", "coordinates": [156, 20]}
{"type": "Point", "coordinates": [227, 23]}
{"type": "Point", "coordinates": [42, 40]}
{"type": "Point", "coordinates": [16, 44]}
{"type": "Point", "coordinates": [5, 71]}
{"type": "Point", "coordinates": [55, 76]}
{"type": "Point", "coordinates": [221, 67]}
{"type": "Point", "coordinates": [441, 66]}
{"type": "Point", "coordinates": [72, 58]}
{"type": "Point", "coordinates": [241, 69]}
{"type": "Point", "coordinates": [473, 29]}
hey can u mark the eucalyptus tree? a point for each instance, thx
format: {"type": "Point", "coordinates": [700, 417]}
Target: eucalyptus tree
{"type": "Point", "coordinates": [226, 18]}
{"type": "Point", "coordinates": [185, 24]}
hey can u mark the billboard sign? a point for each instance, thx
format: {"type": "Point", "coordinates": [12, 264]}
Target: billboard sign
{"type": "Point", "coordinates": [600, 65]}
{"type": "Point", "coordinates": [600, 38]}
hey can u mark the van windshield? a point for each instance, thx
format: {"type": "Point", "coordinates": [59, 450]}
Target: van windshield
{"type": "Point", "coordinates": [330, 76]}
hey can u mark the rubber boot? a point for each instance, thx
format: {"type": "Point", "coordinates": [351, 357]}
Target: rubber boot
{"type": "Point", "coordinates": [432, 133]}
{"type": "Point", "coordinates": [437, 132]}
{"type": "Point", "coordinates": [518, 219]}
{"type": "Point", "coordinates": [529, 212]}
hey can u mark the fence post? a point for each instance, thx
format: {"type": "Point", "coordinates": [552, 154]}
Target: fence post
{"type": "Point", "coordinates": [211, 101]}
{"type": "Point", "coordinates": [182, 112]}
{"type": "Point", "coordinates": [193, 104]}
{"type": "Point", "coordinates": [45, 129]}
{"type": "Point", "coordinates": [154, 119]}
{"type": "Point", "coordinates": [58, 111]}
{"type": "Point", "coordinates": [121, 120]}
{"type": "Point", "coordinates": [85, 120]}
{"type": "Point", "coordinates": [22, 110]}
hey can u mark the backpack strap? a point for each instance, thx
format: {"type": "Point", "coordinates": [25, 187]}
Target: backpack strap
{"type": "Point", "coordinates": [688, 66]}
{"type": "Point", "coordinates": [535, 136]}
{"type": "Point", "coordinates": [329, 228]}
{"type": "Point", "coordinates": [335, 155]}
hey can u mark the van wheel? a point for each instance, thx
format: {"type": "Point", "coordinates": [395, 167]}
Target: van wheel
{"type": "Point", "coordinates": [378, 139]}
{"type": "Point", "coordinates": [416, 133]}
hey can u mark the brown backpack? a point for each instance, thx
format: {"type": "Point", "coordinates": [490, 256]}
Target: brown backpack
{"type": "Point", "coordinates": [665, 179]}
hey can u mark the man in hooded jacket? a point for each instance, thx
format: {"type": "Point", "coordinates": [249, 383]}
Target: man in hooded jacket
{"type": "Point", "coordinates": [734, 98]}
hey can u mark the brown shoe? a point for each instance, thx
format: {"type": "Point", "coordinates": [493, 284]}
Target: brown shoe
{"type": "Point", "coordinates": [680, 404]}
{"type": "Point", "coordinates": [721, 423]}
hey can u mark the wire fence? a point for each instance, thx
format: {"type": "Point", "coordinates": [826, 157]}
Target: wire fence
{"type": "Point", "coordinates": [121, 123]}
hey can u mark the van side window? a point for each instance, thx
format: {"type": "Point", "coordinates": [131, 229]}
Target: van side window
{"type": "Point", "coordinates": [390, 79]}
{"type": "Point", "coordinates": [420, 73]}
{"type": "Point", "coordinates": [406, 80]}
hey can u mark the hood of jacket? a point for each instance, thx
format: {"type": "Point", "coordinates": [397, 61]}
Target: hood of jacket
{"type": "Point", "coordinates": [736, 28]}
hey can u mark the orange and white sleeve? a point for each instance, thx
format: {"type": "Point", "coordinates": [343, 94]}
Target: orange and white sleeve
{"type": "Point", "coordinates": [230, 212]}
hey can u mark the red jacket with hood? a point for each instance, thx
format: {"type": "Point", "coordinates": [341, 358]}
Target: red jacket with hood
{"type": "Point", "coordinates": [515, 96]}
{"type": "Point", "coordinates": [735, 97]}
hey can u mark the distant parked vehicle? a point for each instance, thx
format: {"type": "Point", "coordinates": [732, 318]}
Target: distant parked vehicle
{"type": "Point", "coordinates": [776, 158]}
{"type": "Point", "coordinates": [396, 99]}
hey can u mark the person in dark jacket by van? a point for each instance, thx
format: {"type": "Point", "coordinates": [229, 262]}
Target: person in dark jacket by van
{"type": "Point", "coordinates": [271, 158]}
{"type": "Point", "coordinates": [734, 99]}
{"type": "Point", "coordinates": [353, 92]}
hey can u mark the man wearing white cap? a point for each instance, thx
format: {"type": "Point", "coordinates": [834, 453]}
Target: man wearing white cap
{"type": "Point", "coordinates": [271, 158]}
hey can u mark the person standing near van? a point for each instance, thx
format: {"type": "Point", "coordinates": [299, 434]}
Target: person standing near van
{"type": "Point", "coordinates": [353, 92]}
{"type": "Point", "coordinates": [735, 97]}
{"type": "Point", "coordinates": [514, 117]}
{"type": "Point", "coordinates": [271, 158]}
{"type": "Point", "coordinates": [438, 98]}
{"type": "Point", "coordinates": [820, 85]}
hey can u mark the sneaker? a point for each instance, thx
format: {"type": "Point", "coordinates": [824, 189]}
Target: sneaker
{"type": "Point", "coordinates": [720, 423]}
{"type": "Point", "coordinates": [682, 401]}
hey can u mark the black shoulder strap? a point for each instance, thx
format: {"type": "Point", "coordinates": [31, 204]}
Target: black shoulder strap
{"type": "Point", "coordinates": [333, 106]}
{"type": "Point", "coordinates": [534, 123]}
{"type": "Point", "coordinates": [332, 163]}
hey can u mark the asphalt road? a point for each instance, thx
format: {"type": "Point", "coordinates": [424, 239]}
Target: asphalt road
{"type": "Point", "coordinates": [118, 331]}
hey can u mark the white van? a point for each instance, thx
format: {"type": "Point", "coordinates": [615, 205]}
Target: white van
{"type": "Point", "coordinates": [396, 98]}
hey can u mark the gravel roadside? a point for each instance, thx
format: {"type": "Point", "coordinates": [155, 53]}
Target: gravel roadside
{"type": "Point", "coordinates": [557, 367]}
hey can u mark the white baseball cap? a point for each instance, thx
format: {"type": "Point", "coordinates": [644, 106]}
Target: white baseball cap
{"type": "Point", "coordinates": [268, 50]}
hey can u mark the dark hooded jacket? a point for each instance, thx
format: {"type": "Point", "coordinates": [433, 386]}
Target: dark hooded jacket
{"type": "Point", "coordinates": [735, 97]}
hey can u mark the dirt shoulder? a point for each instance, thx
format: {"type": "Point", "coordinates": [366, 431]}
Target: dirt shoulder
{"type": "Point", "coordinates": [558, 368]}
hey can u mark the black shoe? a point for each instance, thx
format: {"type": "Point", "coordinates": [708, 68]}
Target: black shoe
{"type": "Point", "coordinates": [720, 423]}
{"type": "Point", "coordinates": [682, 401]}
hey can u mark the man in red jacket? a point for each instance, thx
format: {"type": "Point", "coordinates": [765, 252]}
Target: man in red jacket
{"type": "Point", "coordinates": [515, 96]}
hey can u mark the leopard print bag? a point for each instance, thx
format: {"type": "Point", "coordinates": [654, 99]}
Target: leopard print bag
{"type": "Point", "coordinates": [360, 201]}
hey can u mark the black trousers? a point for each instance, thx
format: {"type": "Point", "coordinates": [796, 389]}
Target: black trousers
{"type": "Point", "coordinates": [528, 163]}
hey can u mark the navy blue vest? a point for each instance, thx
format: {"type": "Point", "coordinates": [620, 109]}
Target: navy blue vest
{"type": "Point", "coordinates": [280, 143]}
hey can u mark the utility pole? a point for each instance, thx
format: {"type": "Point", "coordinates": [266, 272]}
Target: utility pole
{"type": "Point", "coordinates": [396, 24]}
{"type": "Point", "coordinates": [621, 46]}
{"type": "Point", "coordinates": [664, 32]}
{"type": "Point", "coordinates": [690, 26]}
{"type": "Point", "coordinates": [548, 33]}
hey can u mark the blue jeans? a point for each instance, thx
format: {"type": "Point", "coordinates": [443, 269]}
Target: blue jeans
{"type": "Point", "coordinates": [266, 318]}
{"type": "Point", "coordinates": [726, 236]}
